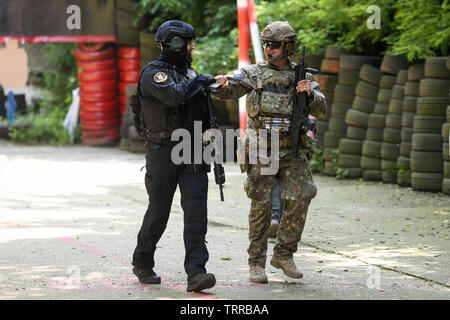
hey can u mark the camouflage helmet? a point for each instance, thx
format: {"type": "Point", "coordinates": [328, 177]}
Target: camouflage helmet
{"type": "Point", "coordinates": [283, 32]}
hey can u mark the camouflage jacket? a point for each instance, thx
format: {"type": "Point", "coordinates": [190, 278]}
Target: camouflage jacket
{"type": "Point", "coordinates": [254, 80]}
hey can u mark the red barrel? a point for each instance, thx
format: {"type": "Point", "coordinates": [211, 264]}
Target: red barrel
{"type": "Point", "coordinates": [102, 140]}
{"type": "Point", "coordinates": [98, 77]}
{"type": "Point", "coordinates": [100, 106]}
{"type": "Point", "coordinates": [99, 86]}
{"type": "Point", "coordinates": [89, 56]}
{"type": "Point", "coordinates": [97, 65]}
{"type": "Point", "coordinates": [128, 65]}
{"type": "Point", "coordinates": [128, 53]}
{"type": "Point", "coordinates": [92, 97]}
{"type": "Point", "coordinates": [123, 100]}
{"type": "Point", "coordinates": [91, 134]}
{"type": "Point", "coordinates": [129, 76]}
{"type": "Point", "coordinates": [99, 124]}
{"type": "Point", "coordinates": [100, 115]}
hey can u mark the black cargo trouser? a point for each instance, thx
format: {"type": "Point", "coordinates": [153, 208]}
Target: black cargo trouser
{"type": "Point", "coordinates": [161, 180]}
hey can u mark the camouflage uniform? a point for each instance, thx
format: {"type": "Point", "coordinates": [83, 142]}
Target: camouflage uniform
{"type": "Point", "coordinates": [294, 177]}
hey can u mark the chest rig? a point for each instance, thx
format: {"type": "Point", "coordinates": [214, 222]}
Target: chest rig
{"type": "Point", "coordinates": [270, 105]}
{"type": "Point", "coordinates": [159, 119]}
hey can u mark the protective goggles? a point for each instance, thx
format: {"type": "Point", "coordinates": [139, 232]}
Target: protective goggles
{"type": "Point", "coordinates": [272, 44]}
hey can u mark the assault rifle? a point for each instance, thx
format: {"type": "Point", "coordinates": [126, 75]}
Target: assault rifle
{"type": "Point", "coordinates": [300, 123]}
{"type": "Point", "coordinates": [219, 171]}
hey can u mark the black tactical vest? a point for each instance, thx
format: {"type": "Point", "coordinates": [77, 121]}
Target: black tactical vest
{"type": "Point", "coordinates": [160, 119]}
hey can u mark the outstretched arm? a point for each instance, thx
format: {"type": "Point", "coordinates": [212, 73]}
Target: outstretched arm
{"type": "Point", "coordinates": [234, 86]}
{"type": "Point", "coordinates": [158, 84]}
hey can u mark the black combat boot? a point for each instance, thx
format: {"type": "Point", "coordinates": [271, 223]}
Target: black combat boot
{"type": "Point", "coordinates": [146, 276]}
{"type": "Point", "coordinates": [200, 282]}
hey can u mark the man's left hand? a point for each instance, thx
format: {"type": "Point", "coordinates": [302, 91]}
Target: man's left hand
{"type": "Point", "coordinates": [304, 86]}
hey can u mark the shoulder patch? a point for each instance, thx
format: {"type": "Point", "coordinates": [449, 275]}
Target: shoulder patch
{"type": "Point", "coordinates": [160, 77]}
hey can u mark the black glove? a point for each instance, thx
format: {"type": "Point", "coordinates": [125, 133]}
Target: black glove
{"type": "Point", "coordinates": [209, 78]}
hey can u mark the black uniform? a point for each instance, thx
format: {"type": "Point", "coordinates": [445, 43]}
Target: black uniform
{"type": "Point", "coordinates": [171, 98]}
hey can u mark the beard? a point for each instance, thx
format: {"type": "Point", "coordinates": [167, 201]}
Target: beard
{"type": "Point", "coordinates": [189, 58]}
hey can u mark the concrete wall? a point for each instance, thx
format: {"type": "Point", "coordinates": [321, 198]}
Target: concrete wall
{"type": "Point", "coordinates": [13, 65]}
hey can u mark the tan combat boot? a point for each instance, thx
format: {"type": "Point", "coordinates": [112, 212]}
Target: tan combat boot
{"type": "Point", "coordinates": [257, 274]}
{"type": "Point", "coordinates": [288, 266]}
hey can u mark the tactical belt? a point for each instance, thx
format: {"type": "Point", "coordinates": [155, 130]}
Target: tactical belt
{"type": "Point", "coordinates": [280, 124]}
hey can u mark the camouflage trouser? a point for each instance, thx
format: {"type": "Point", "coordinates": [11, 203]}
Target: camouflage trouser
{"type": "Point", "coordinates": [297, 189]}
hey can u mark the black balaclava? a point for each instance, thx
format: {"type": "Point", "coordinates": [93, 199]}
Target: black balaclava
{"type": "Point", "coordinates": [182, 59]}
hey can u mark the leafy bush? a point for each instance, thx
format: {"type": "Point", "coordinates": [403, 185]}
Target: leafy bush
{"type": "Point", "coordinates": [341, 173]}
{"type": "Point", "coordinates": [215, 23]}
{"type": "Point", "coordinates": [211, 17]}
{"type": "Point", "coordinates": [60, 81]}
{"type": "Point", "coordinates": [317, 160]}
{"type": "Point", "coordinates": [161, 11]}
{"type": "Point", "coordinates": [324, 22]}
{"type": "Point", "coordinates": [422, 29]}
{"type": "Point", "coordinates": [41, 128]}
{"type": "Point", "coordinates": [416, 28]}
{"type": "Point", "coordinates": [216, 55]}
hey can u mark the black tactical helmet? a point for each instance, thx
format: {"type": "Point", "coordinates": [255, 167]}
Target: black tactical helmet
{"type": "Point", "coordinates": [172, 28]}
{"type": "Point", "coordinates": [173, 37]}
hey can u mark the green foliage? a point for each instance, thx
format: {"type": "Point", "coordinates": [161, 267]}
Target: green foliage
{"type": "Point", "coordinates": [161, 11]}
{"type": "Point", "coordinates": [317, 160]}
{"type": "Point", "coordinates": [212, 17]}
{"type": "Point", "coordinates": [60, 81]}
{"type": "Point", "coordinates": [216, 55]}
{"type": "Point", "coordinates": [215, 23]}
{"type": "Point", "coordinates": [422, 29]}
{"type": "Point", "coordinates": [220, 18]}
{"type": "Point", "coordinates": [357, 36]}
{"type": "Point", "coordinates": [416, 28]}
{"type": "Point", "coordinates": [323, 22]}
{"type": "Point", "coordinates": [41, 128]}
{"type": "Point", "coordinates": [341, 173]}
{"type": "Point", "coordinates": [46, 126]}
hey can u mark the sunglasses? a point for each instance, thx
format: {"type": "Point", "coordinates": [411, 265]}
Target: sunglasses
{"type": "Point", "coordinates": [272, 44]}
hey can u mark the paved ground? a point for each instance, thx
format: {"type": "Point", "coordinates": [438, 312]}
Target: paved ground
{"type": "Point", "coordinates": [69, 218]}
